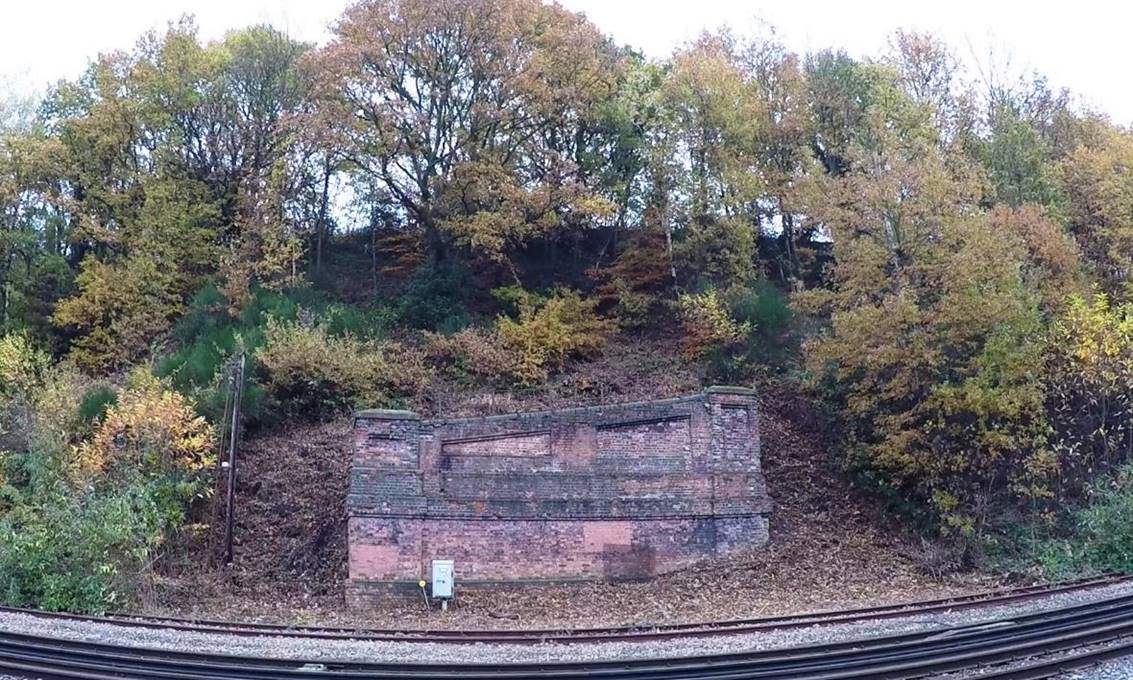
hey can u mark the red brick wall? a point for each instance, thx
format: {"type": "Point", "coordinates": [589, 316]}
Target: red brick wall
{"type": "Point", "coordinates": [621, 491]}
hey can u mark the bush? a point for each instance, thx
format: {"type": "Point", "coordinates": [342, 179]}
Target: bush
{"type": "Point", "coordinates": [366, 323]}
{"type": "Point", "coordinates": [1105, 530]}
{"type": "Point", "coordinates": [708, 324]}
{"type": "Point", "coordinates": [96, 401]}
{"type": "Point", "coordinates": [764, 308]}
{"type": "Point", "coordinates": [55, 421]}
{"type": "Point", "coordinates": [437, 297]}
{"type": "Point", "coordinates": [83, 513]}
{"type": "Point", "coordinates": [21, 365]}
{"type": "Point", "coordinates": [1089, 382]}
{"type": "Point", "coordinates": [753, 330]}
{"type": "Point", "coordinates": [151, 431]}
{"type": "Point", "coordinates": [549, 331]}
{"type": "Point", "coordinates": [310, 373]}
{"type": "Point", "coordinates": [121, 310]}
{"type": "Point", "coordinates": [632, 287]}
{"type": "Point", "coordinates": [472, 353]}
{"type": "Point", "coordinates": [1099, 537]}
{"type": "Point", "coordinates": [109, 541]}
{"type": "Point", "coordinates": [209, 337]}
{"type": "Point", "coordinates": [39, 404]}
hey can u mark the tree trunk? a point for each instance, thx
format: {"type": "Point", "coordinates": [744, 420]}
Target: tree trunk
{"type": "Point", "coordinates": [321, 227]}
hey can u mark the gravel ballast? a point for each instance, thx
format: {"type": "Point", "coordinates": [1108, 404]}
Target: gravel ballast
{"type": "Point", "coordinates": [1121, 669]}
{"type": "Point", "coordinates": [373, 651]}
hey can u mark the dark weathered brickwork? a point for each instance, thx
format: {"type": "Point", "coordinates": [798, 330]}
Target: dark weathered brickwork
{"type": "Point", "coordinates": [615, 492]}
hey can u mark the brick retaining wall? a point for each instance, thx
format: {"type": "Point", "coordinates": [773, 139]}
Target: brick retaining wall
{"type": "Point", "coordinates": [608, 492]}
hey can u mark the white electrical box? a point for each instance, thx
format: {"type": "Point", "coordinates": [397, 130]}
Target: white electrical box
{"type": "Point", "coordinates": [444, 575]}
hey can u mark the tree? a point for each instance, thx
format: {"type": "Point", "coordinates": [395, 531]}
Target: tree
{"type": "Point", "coordinates": [1019, 163]}
{"type": "Point", "coordinates": [934, 334]}
{"type": "Point", "coordinates": [167, 163]}
{"type": "Point", "coordinates": [1089, 374]}
{"type": "Point", "coordinates": [33, 273]}
{"type": "Point", "coordinates": [711, 129]}
{"type": "Point", "coordinates": [928, 72]}
{"type": "Point", "coordinates": [473, 115]}
{"type": "Point", "coordinates": [786, 160]}
{"type": "Point", "coordinates": [1099, 187]}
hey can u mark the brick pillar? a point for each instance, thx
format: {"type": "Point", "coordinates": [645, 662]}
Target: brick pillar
{"type": "Point", "coordinates": [734, 442]}
{"type": "Point", "coordinates": [385, 494]}
{"type": "Point", "coordinates": [734, 457]}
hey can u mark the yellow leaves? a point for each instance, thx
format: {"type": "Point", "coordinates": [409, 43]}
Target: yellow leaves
{"type": "Point", "coordinates": [707, 323]}
{"type": "Point", "coordinates": [495, 212]}
{"type": "Point", "coordinates": [632, 284]}
{"type": "Point", "coordinates": [1096, 176]}
{"type": "Point", "coordinates": [472, 351]}
{"type": "Point", "coordinates": [936, 350]}
{"type": "Point", "coordinates": [267, 250]}
{"type": "Point", "coordinates": [21, 365]}
{"type": "Point", "coordinates": [1038, 469]}
{"type": "Point", "coordinates": [548, 332]}
{"type": "Point", "coordinates": [1096, 333]}
{"type": "Point", "coordinates": [121, 308]}
{"type": "Point", "coordinates": [150, 430]}
{"type": "Point", "coordinates": [1054, 263]}
{"type": "Point", "coordinates": [297, 354]}
{"type": "Point", "coordinates": [316, 374]}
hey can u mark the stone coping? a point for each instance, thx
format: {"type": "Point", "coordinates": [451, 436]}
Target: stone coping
{"type": "Point", "coordinates": [398, 414]}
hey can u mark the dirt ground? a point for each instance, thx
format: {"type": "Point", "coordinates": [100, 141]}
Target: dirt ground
{"type": "Point", "coordinates": [830, 547]}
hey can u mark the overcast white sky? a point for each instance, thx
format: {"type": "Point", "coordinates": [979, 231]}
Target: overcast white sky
{"type": "Point", "coordinates": [1084, 45]}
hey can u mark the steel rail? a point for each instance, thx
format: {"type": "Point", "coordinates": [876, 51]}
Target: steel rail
{"type": "Point", "coordinates": [1047, 668]}
{"type": "Point", "coordinates": [900, 656]}
{"type": "Point", "coordinates": [627, 633]}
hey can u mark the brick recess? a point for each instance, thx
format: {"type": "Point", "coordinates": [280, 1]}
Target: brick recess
{"type": "Point", "coordinates": [608, 492]}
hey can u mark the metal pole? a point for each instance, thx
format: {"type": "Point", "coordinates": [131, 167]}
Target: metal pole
{"type": "Point", "coordinates": [237, 390]}
{"type": "Point", "coordinates": [221, 465]}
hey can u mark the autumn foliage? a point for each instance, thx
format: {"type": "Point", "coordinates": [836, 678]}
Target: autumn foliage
{"type": "Point", "coordinates": [149, 430]}
{"type": "Point", "coordinates": [483, 194]}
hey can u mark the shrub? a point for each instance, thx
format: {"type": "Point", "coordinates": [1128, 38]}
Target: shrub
{"type": "Point", "coordinates": [82, 513]}
{"type": "Point", "coordinates": [405, 374]}
{"type": "Point", "coordinates": [1100, 535]}
{"type": "Point", "coordinates": [40, 414]}
{"type": "Point", "coordinates": [1089, 379]}
{"type": "Point", "coordinates": [437, 297]}
{"type": "Point", "coordinates": [109, 542]}
{"type": "Point", "coordinates": [764, 308]}
{"type": "Point", "coordinates": [209, 336]}
{"type": "Point", "coordinates": [96, 401]}
{"type": "Point", "coordinates": [707, 323]}
{"type": "Point", "coordinates": [472, 353]}
{"type": "Point", "coordinates": [151, 430]}
{"type": "Point", "coordinates": [311, 373]}
{"type": "Point", "coordinates": [366, 323]}
{"type": "Point", "coordinates": [633, 285]}
{"type": "Point", "coordinates": [1105, 529]}
{"type": "Point", "coordinates": [21, 365]}
{"type": "Point", "coordinates": [121, 310]}
{"type": "Point", "coordinates": [55, 422]}
{"type": "Point", "coordinates": [633, 309]}
{"type": "Point", "coordinates": [548, 332]}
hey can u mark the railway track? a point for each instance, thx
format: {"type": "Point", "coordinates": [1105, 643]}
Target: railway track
{"type": "Point", "coordinates": [607, 634]}
{"type": "Point", "coordinates": [895, 657]}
